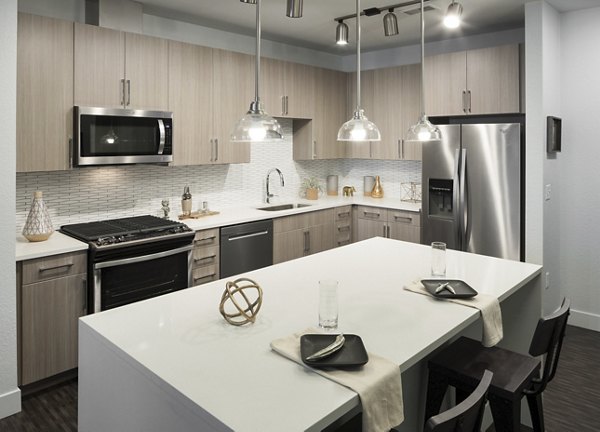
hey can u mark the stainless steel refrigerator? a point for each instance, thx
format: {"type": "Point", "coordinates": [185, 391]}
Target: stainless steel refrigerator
{"type": "Point", "coordinates": [472, 191]}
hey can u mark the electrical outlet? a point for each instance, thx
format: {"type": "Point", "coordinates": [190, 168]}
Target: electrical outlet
{"type": "Point", "coordinates": [547, 192]}
{"type": "Point", "coordinates": [547, 282]}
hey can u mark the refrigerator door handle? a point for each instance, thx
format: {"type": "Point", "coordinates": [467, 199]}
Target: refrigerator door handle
{"type": "Point", "coordinates": [456, 208]}
{"type": "Point", "coordinates": [464, 202]}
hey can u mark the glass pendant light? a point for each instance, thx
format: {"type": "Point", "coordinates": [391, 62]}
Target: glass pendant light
{"type": "Point", "coordinates": [358, 128]}
{"type": "Point", "coordinates": [423, 130]}
{"type": "Point", "coordinates": [256, 125]}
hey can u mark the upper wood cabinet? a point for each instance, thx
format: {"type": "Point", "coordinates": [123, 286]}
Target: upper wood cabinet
{"type": "Point", "coordinates": [317, 139]}
{"type": "Point", "coordinates": [205, 104]}
{"type": "Point", "coordinates": [483, 81]}
{"type": "Point", "coordinates": [44, 93]}
{"type": "Point", "coordinates": [390, 98]}
{"type": "Point", "coordinates": [192, 65]}
{"type": "Point", "coordinates": [118, 69]}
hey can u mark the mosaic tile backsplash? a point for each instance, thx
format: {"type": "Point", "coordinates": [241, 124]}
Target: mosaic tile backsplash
{"type": "Point", "coordinates": [90, 194]}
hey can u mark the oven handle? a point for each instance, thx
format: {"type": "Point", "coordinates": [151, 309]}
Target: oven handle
{"type": "Point", "coordinates": [143, 258]}
{"type": "Point", "coordinates": [161, 142]}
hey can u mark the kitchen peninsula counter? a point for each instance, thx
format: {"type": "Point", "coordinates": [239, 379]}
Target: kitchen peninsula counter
{"type": "Point", "coordinates": [173, 363]}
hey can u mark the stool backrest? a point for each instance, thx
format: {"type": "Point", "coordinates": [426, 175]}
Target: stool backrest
{"type": "Point", "coordinates": [547, 340]}
{"type": "Point", "coordinates": [467, 415]}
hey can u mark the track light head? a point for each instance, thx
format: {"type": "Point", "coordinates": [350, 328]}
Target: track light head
{"type": "Point", "coordinates": [452, 17]}
{"type": "Point", "coordinates": [390, 23]}
{"type": "Point", "coordinates": [341, 33]}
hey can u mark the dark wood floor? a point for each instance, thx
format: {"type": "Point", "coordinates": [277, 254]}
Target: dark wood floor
{"type": "Point", "coordinates": [571, 401]}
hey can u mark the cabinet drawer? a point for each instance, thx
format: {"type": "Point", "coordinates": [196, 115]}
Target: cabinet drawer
{"type": "Point", "coordinates": [343, 213]}
{"type": "Point", "coordinates": [205, 274]}
{"type": "Point", "coordinates": [403, 217]}
{"type": "Point", "coordinates": [302, 220]}
{"type": "Point", "coordinates": [205, 255]}
{"type": "Point", "coordinates": [372, 213]}
{"type": "Point", "coordinates": [46, 268]}
{"type": "Point", "coordinates": [208, 237]}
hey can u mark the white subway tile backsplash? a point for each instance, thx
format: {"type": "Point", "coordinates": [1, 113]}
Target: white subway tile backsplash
{"type": "Point", "coordinates": [89, 194]}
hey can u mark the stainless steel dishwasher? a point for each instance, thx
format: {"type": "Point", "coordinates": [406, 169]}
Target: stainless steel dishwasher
{"type": "Point", "coordinates": [246, 247]}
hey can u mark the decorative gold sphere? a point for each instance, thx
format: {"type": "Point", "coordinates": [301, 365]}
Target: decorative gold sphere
{"type": "Point", "coordinates": [239, 289]}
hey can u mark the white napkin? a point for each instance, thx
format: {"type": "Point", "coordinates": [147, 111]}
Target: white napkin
{"type": "Point", "coordinates": [488, 305]}
{"type": "Point", "coordinates": [378, 384]}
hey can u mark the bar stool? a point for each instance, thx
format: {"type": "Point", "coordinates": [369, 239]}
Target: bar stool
{"type": "Point", "coordinates": [462, 363]}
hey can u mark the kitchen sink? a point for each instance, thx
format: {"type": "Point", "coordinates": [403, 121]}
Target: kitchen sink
{"type": "Point", "coordinates": [283, 207]}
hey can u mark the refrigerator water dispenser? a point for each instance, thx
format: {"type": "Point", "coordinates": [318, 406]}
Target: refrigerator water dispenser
{"type": "Point", "coordinates": [440, 198]}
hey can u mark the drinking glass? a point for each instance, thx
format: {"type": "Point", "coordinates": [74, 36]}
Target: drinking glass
{"type": "Point", "coordinates": [328, 304]}
{"type": "Point", "coordinates": [438, 259]}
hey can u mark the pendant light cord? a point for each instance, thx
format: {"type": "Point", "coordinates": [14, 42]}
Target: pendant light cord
{"type": "Point", "coordinates": [257, 60]}
{"type": "Point", "coordinates": [358, 106]}
{"type": "Point", "coordinates": [422, 61]}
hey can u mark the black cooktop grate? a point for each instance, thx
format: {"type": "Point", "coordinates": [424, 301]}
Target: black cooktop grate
{"type": "Point", "coordinates": [91, 231]}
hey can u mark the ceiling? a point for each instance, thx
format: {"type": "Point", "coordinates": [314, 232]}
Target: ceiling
{"type": "Point", "coordinates": [316, 29]}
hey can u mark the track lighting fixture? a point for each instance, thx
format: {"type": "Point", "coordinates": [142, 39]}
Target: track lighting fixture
{"type": "Point", "coordinates": [341, 33]}
{"type": "Point", "coordinates": [294, 8]}
{"type": "Point", "coordinates": [452, 17]}
{"type": "Point", "coordinates": [390, 23]}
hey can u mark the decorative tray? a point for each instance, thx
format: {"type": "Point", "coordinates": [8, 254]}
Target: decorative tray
{"type": "Point", "coordinates": [353, 354]}
{"type": "Point", "coordinates": [197, 215]}
{"type": "Point", "coordinates": [461, 288]}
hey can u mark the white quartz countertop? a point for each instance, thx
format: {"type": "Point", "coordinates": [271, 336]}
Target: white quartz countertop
{"type": "Point", "coordinates": [181, 342]}
{"type": "Point", "coordinates": [251, 213]}
{"type": "Point", "coordinates": [57, 244]}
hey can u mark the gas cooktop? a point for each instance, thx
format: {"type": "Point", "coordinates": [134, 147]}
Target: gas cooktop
{"type": "Point", "coordinates": [123, 230]}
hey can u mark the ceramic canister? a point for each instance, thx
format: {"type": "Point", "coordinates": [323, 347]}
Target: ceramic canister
{"type": "Point", "coordinates": [368, 183]}
{"type": "Point", "coordinates": [332, 185]}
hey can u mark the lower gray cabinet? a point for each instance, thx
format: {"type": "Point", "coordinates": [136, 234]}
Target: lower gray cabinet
{"type": "Point", "coordinates": [380, 222]}
{"type": "Point", "coordinates": [52, 294]}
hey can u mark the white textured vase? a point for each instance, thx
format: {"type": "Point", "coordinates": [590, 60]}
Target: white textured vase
{"type": "Point", "coordinates": [38, 226]}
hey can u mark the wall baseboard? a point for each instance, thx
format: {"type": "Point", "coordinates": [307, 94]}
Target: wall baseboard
{"type": "Point", "coordinates": [585, 320]}
{"type": "Point", "coordinates": [10, 403]}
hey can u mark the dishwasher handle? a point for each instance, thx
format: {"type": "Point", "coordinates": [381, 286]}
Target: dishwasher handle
{"type": "Point", "coordinates": [244, 236]}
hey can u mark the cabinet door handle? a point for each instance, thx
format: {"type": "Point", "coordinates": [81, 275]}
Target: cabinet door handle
{"type": "Point", "coordinates": [128, 92]}
{"type": "Point", "coordinates": [209, 257]}
{"type": "Point", "coordinates": [366, 213]}
{"type": "Point", "coordinates": [287, 105]}
{"type": "Point", "coordinates": [403, 218]}
{"type": "Point", "coordinates": [84, 296]}
{"type": "Point", "coordinates": [469, 99]}
{"type": "Point", "coordinates": [344, 228]}
{"type": "Point", "coordinates": [216, 149]}
{"type": "Point", "coordinates": [344, 215]}
{"type": "Point", "coordinates": [282, 105]}
{"type": "Point", "coordinates": [43, 269]}
{"type": "Point", "coordinates": [212, 150]}
{"type": "Point", "coordinates": [464, 101]}
{"type": "Point", "coordinates": [389, 232]}
{"type": "Point", "coordinates": [211, 238]}
{"type": "Point", "coordinates": [400, 149]}
{"type": "Point", "coordinates": [123, 92]}
{"type": "Point", "coordinates": [205, 277]}
{"type": "Point", "coordinates": [314, 147]}
{"type": "Point", "coordinates": [306, 242]}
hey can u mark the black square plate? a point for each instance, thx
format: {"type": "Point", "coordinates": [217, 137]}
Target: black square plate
{"type": "Point", "coordinates": [463, 290]}
{"type": "Point", "coordinates": [352, 354]}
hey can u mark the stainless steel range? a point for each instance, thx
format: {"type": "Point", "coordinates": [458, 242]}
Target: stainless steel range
{"type": "Point", "coordinates": [136, 258]}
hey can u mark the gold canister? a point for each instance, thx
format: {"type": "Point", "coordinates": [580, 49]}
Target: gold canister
{"type": "Point", "coordinates": [377, 191]}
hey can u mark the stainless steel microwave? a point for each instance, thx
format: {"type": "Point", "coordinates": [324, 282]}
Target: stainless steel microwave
{"type": "Point", "coordinates": [113, 136]}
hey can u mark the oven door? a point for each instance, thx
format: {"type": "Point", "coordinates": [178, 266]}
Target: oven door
{"type": "Point", "coordinates": [122, 281]}
{"type": "Point", "coordinates": [107, 136]}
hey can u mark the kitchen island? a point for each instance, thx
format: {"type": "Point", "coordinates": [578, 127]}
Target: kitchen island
{"type": "Point", "coordinates": [173, 363]}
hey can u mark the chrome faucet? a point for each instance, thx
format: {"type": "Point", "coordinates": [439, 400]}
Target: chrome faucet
{"type": "Point", "coordinates": [268, 195]}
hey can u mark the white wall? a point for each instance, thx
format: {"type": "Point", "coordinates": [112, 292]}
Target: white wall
{"type": "Point", "coordinates": [10, 395]}
{"type": "Point", "coordinates": [580, 209]}
{"type": "Point", "coordinates": [551, 85]}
